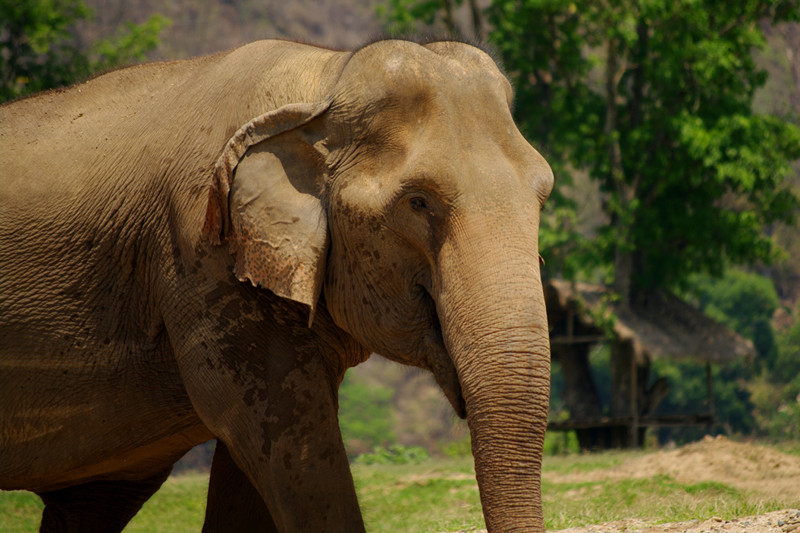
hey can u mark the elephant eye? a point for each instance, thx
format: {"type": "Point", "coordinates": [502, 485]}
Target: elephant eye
{"type": "Point", "coordinates": [418, 204]}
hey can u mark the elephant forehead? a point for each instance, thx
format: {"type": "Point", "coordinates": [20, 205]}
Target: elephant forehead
{"type": "Point", "coordinates": [404, 75]}
{"type": "Point", "coordinates": [439, 112]}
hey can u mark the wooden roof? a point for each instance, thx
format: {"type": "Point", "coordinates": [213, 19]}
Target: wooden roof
{"type": "Point", "coordinates": [663, 326]}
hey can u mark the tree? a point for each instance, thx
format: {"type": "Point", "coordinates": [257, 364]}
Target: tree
{"type": "Point", "coordinates": [405, 16]}
{"type": "Point", "coordinates": [38, 50]}
{"type": "Point", "coordinates": [745, 303]}
{"type": "Point", "coordinates": [654, 100]}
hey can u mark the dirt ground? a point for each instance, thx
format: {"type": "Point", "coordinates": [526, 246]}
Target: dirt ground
{"type": "Point", "coordinates": [786, 521]}
{"type": "Point", "coordinates": [745, 466]}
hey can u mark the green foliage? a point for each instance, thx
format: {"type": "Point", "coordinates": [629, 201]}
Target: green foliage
{"type": "Point", "coordinates": [788, 343]}
{"type": "Point", "coordinates": [38, 49]}
{"type": "Point", "coordinates": [561, 443]}
{"type": "Point", "coordinates": [586, 462]}
{"type": "Point", "coordinates": [404, 16]}
{"type": "Point", "coordinates": [733, 407]}
{"type": "Point", "coordinates": [395, 454]}
{"type": "Point", "coordinates": [129, 45]}
{"type": "Point", "coordinates": [761, 398]}
{"type": "Point", "coordinates": [660, 498]}
{"type": "Point", "coordinates": [653, 99]}
{"type": "Point", "coordinates": [365, 415]}
{"type": "Point", "coordinates": [745, 303]}
{"type": "Point", "coordinates": [776, 394]}
{"type": "Point", "coordinates": [777, 406]}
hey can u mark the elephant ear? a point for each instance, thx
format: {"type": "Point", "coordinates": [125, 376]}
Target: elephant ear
{"type": "Point", "coordinates": [265, 203]}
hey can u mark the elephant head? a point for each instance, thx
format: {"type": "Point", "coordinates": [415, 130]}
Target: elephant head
{"type": "Point", "coordinates": [406, 201]}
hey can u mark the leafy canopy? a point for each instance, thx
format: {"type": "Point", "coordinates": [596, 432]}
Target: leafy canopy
{"type": "Point", "coordinates": [653, 98]}
{"type": "Point", "coordinates": [38, 49]}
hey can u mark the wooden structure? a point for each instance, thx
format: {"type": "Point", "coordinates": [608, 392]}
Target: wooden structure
{"type": "Point", "coordinates": [656, 326]}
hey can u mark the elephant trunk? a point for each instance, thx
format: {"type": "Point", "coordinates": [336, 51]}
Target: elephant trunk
{"type": "Point", "coordinates": [491, 307]}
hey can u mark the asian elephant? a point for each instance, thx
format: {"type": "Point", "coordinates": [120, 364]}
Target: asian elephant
{"type": "Point", "coordinates": [200, 249]}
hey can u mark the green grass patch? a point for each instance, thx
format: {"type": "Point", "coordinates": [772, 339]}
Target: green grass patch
{"type": "Point", "coordinates": [179, 506]}
{"type": "Point", "coordinates": [437, 495]}
{"type": "Point", "coordinates": [586, 462]}
{"type": "Point", "coordinates": [791, 447]}
{"type": "Point", "coordinates": [20, 512]}
{"type": "Point", "coordinates": [659, 498]}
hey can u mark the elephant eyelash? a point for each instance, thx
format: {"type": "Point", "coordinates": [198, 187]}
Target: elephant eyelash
{"type": "Point", "coordinates": [418, 204]}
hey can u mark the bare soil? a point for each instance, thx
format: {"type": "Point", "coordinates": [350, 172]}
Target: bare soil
{"type": "Point", "coordinates": [745, 466]}
{"type": "Point", "coordinates": [786, 521]}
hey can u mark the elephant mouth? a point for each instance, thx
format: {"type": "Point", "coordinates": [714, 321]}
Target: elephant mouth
{"type": "Point", "coordinates": [459, 404]}
{"type": "Point", "coordinates": [442, 366]}
{"type": "Point", "coordinates": [447, 378]}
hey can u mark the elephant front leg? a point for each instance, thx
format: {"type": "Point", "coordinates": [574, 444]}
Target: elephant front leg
{"type": "Point", "coordinates": [277, 416]}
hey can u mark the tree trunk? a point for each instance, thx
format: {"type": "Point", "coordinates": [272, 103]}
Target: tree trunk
{"type": "Point", "coordinates": [625, 193]}
{"type": "Point", "coordinates": [477, 20]}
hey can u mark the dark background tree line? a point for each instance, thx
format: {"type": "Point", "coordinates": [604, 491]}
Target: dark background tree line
{"type": "Point", "coordinates": [672, 148]}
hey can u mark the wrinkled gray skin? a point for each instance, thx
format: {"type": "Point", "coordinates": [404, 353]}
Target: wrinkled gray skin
{"type": "Point", "coordinates": [168, 277]}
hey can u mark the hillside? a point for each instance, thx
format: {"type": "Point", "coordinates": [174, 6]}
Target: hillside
{"type": "Point", "coordinates": [203, 27]}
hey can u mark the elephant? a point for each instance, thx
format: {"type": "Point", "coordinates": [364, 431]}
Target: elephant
{"type": "Point", "coordinates": [200, 249]}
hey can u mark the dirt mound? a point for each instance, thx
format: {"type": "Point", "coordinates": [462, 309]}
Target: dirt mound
{"type": "Point", "coordinates": [741, 465]}
{"type": "Point", "coordinates": [786, 521]}
{"type": "Point", "coordinates": [748, 467]}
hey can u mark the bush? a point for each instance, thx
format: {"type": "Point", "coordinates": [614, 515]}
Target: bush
{"type": "Point", "coordinates": [744, 302]}
{"type": "Point", "coordinates": [561, 443]}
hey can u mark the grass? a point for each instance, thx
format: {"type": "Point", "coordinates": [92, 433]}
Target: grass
{"type": "Point", "coordinates": [441, 495]}
{"type": "Point", "coordinates": [437, 495]}
{"type": "Point", "coordinates": [178, 507]}
{"type": "Point", "coordinates": [659, 498]}
{"type": "Point", "coordinates": [20, 512]}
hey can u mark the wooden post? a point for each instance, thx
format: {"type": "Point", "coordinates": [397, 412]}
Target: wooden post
{"type": "Point", "coordinates": [710, 390]}
{"type": "Point", "coordinates": [570, 323]}
{"type": "Point", "coordinates": [634, 436]}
